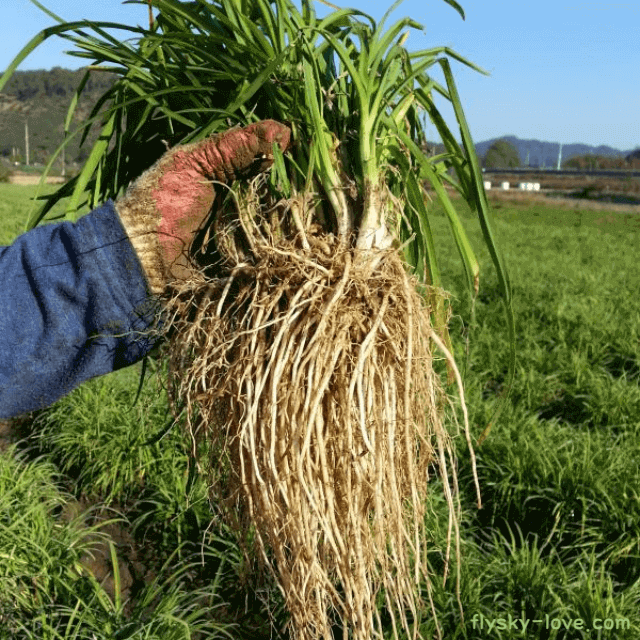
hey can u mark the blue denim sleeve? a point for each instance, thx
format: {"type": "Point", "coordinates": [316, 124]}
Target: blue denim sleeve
{"type": "Point", "coordinates": [74, 304]}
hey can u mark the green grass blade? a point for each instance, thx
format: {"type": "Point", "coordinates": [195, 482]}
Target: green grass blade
{"type": "Point", "coordinates": [431, 269]}
{"type": "Point", "coordinates": [279, 173]}
{"type": "Point", "coordinates": [246, 93]}
{"type": "Point", "coordinates": [341, 18]}
{"type": "Point", "coordinates": [436, 51]}
{"type": "Point", "coordinates": [399, 89]}
{"type": "Point", "coordinates": [37, 40]}
{"type": "Point", "coordinates": [457, 7]}
{"type": "Point", "coordinates": [116, 577]}
{"type": "Point", "coordinates": [382, 45]}
{"type": "Point", "coordinates": [183, 10]}
{"type": "Point", "coordinates": [47, 11]}
{"type": "Point", "coordinates": [74, 102]}
{"type": "Point", "coordinates": [360, 83]}
{"type": "Point", "coordinates": [478, 196]}
{"type": "Point", "coordinates": [95, 158]}
{"type": "Point", "coordinates": [456, 157]}
{"type": "Point", "coordinates": [415, 199]}
{"type": "Point", "coordinates": [467, 255]}
{"type": "Point", "coordinates": [388, 12]}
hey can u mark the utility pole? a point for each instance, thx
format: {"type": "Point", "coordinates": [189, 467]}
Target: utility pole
{"type": "Point", "coordinates": [560, 156]}
{"type": "Point", "coordinates": [26, 139]}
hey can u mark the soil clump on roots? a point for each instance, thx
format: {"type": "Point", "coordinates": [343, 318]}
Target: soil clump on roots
{"type": "Point", "coordinates": [306, 371]}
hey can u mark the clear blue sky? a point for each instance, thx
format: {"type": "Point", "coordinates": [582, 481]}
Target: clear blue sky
{"type": "Point", "coordinates": [562, 70]}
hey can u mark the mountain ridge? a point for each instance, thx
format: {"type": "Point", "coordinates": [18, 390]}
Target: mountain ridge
{"type": "Point", "coordinates": [542, 153]}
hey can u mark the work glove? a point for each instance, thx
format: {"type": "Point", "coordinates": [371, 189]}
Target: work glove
{"type": "Point", "coordinates": [163, 210]}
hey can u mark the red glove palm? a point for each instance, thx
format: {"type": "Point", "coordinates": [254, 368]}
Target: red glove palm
{"type": "Point", "coordinates": [164, 208]}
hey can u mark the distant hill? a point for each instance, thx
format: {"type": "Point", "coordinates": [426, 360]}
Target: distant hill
{"type": "Point", "coordinates": [42, 99]}
{"type": "Point", "coordinates": [634, 159]}
{"type": "Point", "coordinates": [545, 154]}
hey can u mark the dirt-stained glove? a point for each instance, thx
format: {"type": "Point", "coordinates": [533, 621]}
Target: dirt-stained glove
{"type": "Point", "coordinates": [166, 206]}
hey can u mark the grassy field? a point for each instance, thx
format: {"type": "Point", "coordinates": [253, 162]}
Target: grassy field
{"type": "Point", "coordinates": [17, 204]}
{"type": "Point", "coordinates": [556, 546]}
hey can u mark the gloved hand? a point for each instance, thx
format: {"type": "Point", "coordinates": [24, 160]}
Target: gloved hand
{"type": "Point", "coordinates": [165, 207]}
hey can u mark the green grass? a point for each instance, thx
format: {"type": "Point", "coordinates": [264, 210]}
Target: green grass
{"type": "Point", "coordinates": [17, 203]}
{"type": "Point", "coordinates": [559, 531]}
{"type": "Point", "coordinates": [560, 524]}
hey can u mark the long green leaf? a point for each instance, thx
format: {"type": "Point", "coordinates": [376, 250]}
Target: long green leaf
{"type": "Point", "coordinates": [48, 12]}
{"type": "Point", "coordinates": [456, 6]}
{"type": "Point", "coordinates": [486, 226]}
{"type": "Point", "coordinates": [424, 259]}
{"type": "Point", "coordinates": [37, 40]}
{"type": "Point", "coordinates": [467, 255]}
{"type": "Point", "coordinates": [436, 51]}
{"type": "Point", "coordinates": [384, 43]}
{"type": "Point", "coordinates": [95, 158]}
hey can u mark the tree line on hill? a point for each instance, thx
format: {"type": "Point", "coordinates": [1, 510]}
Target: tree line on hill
{"type": "Point", "coordinates": [502, 154]}
{"type": "Point", "coordinates": [37, 102]}
{"type": "Point", "coordinates": [56, 83]}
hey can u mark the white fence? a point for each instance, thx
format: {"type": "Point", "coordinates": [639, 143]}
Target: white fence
{"type": "Point", "coordinates": [529, 186]}
{"type": "Point", "coordinates": [523, 186]}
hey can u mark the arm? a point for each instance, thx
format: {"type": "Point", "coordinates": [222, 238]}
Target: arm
{"type": "Point", "coordinates": [78, 300]}
{"type": "Point", "coordinates": [74, 304]}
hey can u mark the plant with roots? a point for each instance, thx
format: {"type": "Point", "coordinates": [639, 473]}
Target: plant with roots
{"type": "Point", "coordinates": [301, 354]}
